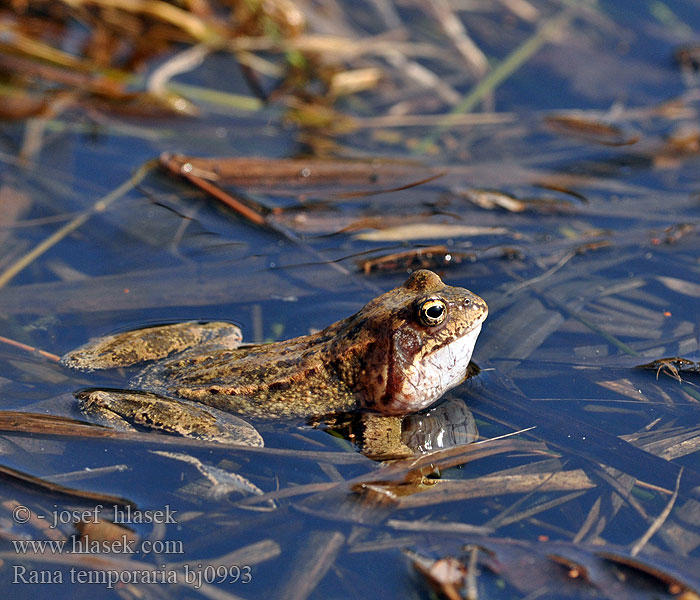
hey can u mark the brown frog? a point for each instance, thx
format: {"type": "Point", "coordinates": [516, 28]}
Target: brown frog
{"type": "Point", "coordinates": [395, 356]}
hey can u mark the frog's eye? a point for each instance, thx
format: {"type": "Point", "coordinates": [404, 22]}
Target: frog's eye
{"type": "Point", "coordinates": [432, 312]}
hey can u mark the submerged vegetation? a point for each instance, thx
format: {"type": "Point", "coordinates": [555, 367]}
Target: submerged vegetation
{"type": "Point", "coordinates": [279, 163]}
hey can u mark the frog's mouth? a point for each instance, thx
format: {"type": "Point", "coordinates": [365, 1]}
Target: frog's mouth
{"type": "Point", "coordinates": [428, 379]}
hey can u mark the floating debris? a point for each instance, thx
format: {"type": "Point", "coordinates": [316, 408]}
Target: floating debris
{"type": "Point", "coordinates": [592, 129]}
{"type": "Point", "coordinates": [430, 257]}
{"type": "Point", "coordinates": [427, 231]}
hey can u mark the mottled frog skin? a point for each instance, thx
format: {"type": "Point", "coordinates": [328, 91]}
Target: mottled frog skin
{"type": "Point", "coordinates": [397, 355]}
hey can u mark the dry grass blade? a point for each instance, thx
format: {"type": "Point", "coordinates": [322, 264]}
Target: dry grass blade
{"type": "Point", "coordinates": [491, 199]}
{"type": "Point", "coordinates": [435, 526]}
{"type": "Point", "coordinates": [289, 172]}
{"type": "Point", "coordinates": [135, 290]}
{"type": "Point", "coordinates": [253, 213]}
{"type": "Point", "coordinates": [68, 75]}
{"type": "Point", "coordinates": [25, 479]}
{"type": "Point", "coordinates": [410, 468]}
{"type": "Point", "coordinates": [353, 81]}
{"type": "Point", "coordinates": [282, 172]}
{"type": "Point", "coordinates": [290, 492]}
{"type": "Point", "coordinates": [469, 120]}
{"type": "Point", "coordinates": [248, 208]}
{"type": "Point", "coordinates": [593, 524]}
{"type": "Point", "coordinates": [606, 507]}
{"type": "Point", "coordinates": [83, 474]}
{"type": "Point", "coordinates": [15, 204]}
{"type": "Point", "coordinates": [87, 89]}
{"type": "Point", "coordinates": [15, 422]}
{"type": "Point", "coordinates": [100, 206]}
{"type": "Point", "coordinates": [516, 338]}
{"type": "Point", "coordinates": [431, 257]}
{"type": "Point", "coordinates": [669, 444]}
{"type": "Point", "coordinates": [580, 439]}
{"type": "Point", "coordinates": [311, 564]}
{"type": "Point", "coordinates": [455, 30]}
{"type": "Point", "coordinates": [252, 554]}
{"type": "Point", "coordinates": [592, 129]}
{"type": "Point", "coordinates": [400, 188]}
{"type": "Point", "coordinates": [659, 521]}
{"type": "Point", "coordinates": [622, 486]}
{"type": "Point", "coordinates": [523, 284]}
{"type": "Point", "coordinates": [33, 48]}
{"type": "Point", "coordinates": [424, 78]}
{"type": "Point", "coordinates": [510, 65]}
{"type": "Point", "coordinates": [682, 286]}
{"type": "Point", "coordinates": [25, 422]}
{"type": "Point", "coordinates": [482, 487]}
{"type": "Point", "coordinates": [182, 19]}
{"type": "Point", "coordinates": [428, 231]}
{"type": "Point", "coordinates": [507, 517]}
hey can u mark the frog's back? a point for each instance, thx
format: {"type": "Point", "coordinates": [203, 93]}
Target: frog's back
{"type": "Point", "coordinates": [290, 378]}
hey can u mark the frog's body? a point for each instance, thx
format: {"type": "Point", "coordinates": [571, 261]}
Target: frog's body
{"type": "Point", "coordinates": [397, 355]}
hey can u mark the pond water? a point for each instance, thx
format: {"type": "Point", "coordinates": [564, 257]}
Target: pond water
{"type": "Point", "coordinates": [557, 176]}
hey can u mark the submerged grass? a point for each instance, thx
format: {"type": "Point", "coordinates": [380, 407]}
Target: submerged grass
{"type": "Point", "coordinates": [100, 205]}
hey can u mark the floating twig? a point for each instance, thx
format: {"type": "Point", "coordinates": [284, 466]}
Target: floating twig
{"type": "Point", "coordinates": [28, 348]}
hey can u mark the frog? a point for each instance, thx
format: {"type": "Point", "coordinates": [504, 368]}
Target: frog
{"type": "Point", "coordinates": [397, 355]}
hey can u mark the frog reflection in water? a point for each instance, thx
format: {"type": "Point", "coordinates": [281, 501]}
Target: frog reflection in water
{"type": "Point", "coordinates": [397, 355]}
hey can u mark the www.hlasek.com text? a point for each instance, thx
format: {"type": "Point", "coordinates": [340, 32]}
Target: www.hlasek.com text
{"type": "Point", "coordinates": [87, 545]}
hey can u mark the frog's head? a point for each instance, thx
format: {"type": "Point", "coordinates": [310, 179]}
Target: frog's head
{"type": "Point", "coordinates": [419, 340]}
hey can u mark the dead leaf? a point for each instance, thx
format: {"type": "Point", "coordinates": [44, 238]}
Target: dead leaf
{"type": "Point", "coordinates": [427, 231]}
{"type": "Point", "coordinates": [681, 286]}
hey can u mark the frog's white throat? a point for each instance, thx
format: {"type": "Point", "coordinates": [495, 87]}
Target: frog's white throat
{"type": "Point", "coordinates": [436, 373]}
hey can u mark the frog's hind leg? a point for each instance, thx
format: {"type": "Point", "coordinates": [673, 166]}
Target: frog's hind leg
{"type": "Point", "coordinates": [132, 347]}
{"type": "Point", "coordinates": [122, 409]}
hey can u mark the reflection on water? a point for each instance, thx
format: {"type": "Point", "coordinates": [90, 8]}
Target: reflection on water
{"type": "Point", "coordinates": [382, 437]}
{"type": "Point", "coordinates": [449, 424]}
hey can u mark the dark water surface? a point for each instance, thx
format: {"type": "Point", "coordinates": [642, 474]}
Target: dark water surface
{"type": "Point", "coordinates": [594, 137]}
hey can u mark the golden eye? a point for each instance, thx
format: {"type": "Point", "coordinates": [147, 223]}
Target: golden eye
{"type": "Point", "coordinates": [432, 312]}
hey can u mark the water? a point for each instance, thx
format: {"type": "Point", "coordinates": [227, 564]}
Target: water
{"type": "Point", "coordinates": [598, 274]}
